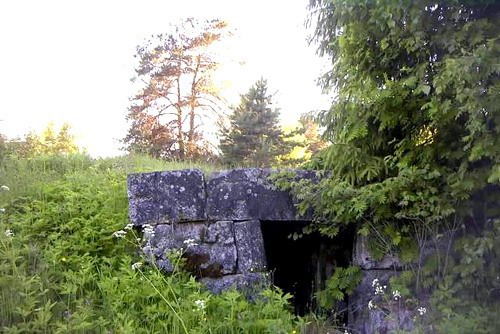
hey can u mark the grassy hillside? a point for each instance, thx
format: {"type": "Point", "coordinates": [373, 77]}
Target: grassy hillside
{"type": "Point", "coordinates": [63, 270]}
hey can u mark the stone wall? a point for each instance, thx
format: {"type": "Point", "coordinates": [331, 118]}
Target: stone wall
{"type": "Point", "coordinates": [220, 217]}
{"type": "Point", "coordinates": [217, 221]}
{"type": "Point", "coordinates": [362, 319]}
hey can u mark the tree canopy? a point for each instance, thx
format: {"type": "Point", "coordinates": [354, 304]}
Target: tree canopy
{"type": "Point", "coordinates": [49, 142]}
{"type": "Point", "coordinates": [415, 124]}
{"type": "Point", "coordinates": [177, 92]}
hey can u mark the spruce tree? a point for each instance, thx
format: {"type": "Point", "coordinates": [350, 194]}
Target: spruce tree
{"type": "Point", "coordinates": [254, 137]}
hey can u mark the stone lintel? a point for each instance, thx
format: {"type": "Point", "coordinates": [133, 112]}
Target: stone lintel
{"type": "Point", "coordinates": [248, 194]}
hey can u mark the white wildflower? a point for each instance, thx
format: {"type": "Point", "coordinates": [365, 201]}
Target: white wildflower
{"type": "Point", "coordinates": [9, 233]}
{"type": "Point", "coordinates": [422, 310]}
{"type": "Point", "coordinates": [200, 304]}
{"type": "Point", "coordinates": [380, 290]}
{"type": "Point", "coordinates": [5, 188]}
{"type": "Point", "coordinates": [375, 282]}
{"type": "Point", "coordinates": [396, 294]}
{"type": "Point", "coordinates": [2, 210]}
{"type": "Point", "coordinates": [129, 226]}
{"type": "Point", "coordinates": [148, 230]}
{"type": "Point", "coordinates": [189, 243]}
{"type": "Point", "coordinates": [136, 265]}
{"type": "Point", "coordinates": [371, 305]}
{"type": "Point", "coordinates": [119, 234]}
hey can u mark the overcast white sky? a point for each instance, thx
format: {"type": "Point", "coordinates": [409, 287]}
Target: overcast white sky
{"type": "Point", "coordinates": [71, 61]}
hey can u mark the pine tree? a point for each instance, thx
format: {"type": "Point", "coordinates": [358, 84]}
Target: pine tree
{"type": "Point", "coordinates": [254, 137]}
{"type": "Point", "coordinates": [178, 96]}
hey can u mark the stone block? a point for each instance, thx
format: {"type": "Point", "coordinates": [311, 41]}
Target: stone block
{"type": "Point", "coordinates": [364, 320]}
{"type": "Point", "coordinates": [221, 232]}
{"type": "Point", "coordinates": [162, 197]}
{"type": "Point", "coordinates": [363, 258]}
{"type": "Point", "coordinates": [250, 246]}
{"type": "Point", "coordinates": [250, 283]}
{"type": "Point", "coordinates": [203, 258]}
{"type": "Point", "coordinates": [248, 194]}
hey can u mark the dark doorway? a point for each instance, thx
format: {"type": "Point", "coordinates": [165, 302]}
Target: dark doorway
{"type": "Point", "coordinates": [301, 265]}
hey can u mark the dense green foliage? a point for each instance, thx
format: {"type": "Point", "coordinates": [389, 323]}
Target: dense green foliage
{"type": "Point", "coordinates": [415, 126]}
{"type": "Point", "coordinates": [305, 140]}
{"type": "Point", "coordinates": [344, 280]}
{"type": "Point", "coordinates": [63, 271]}
{"type": "Point", "coordinates": [415, 140]}
{"type": "Point", "coordinates": [253, 137]}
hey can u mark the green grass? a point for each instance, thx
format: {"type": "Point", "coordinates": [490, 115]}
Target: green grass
{"type": "Point", "coordinates": [63, 271]}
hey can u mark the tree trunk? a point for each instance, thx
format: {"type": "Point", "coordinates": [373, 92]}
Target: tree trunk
{"type": "Point", "coordinates": [180, 134]}
{"type": "Point", "coordinates": [192, 103]}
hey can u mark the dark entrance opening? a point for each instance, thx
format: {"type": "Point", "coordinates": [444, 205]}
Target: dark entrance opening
{"type": "Point", "coordinates": [300, 266]}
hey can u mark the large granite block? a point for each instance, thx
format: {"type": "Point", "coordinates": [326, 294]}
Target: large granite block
{"type": "Point", "coordinates": [204, 257]}
{"type": "Point", "coordinates": [250, 284]}
{"type": "Point", "coordinates": [371, 312]}
{"type": "Point", "coordinates": [161, 197]}
{"type": "Point", "coordinates": [247, 194]}
{"type": "Point", "coordinates": [250, 246]}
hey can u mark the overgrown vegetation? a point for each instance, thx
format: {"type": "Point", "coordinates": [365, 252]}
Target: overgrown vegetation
{"type": "Point", "coordinates": [63, 269]}
{"type": "Point", "coordinates": [413, 160]}
{"type": "Point", "coordinates": [414, 156]}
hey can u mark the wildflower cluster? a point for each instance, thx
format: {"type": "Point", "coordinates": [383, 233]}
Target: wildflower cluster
{"type": "Point", "coordinates": [9, 233]}
{"type": "Point", "coordinates": [4, 188]}
{"type": "Point", "coordinates": [136, 265]}
{"type": "Point", "coordinates": [379, 289]}
{"type": "Point", "coordinates": [388, 303]}
{"type": "Point", "coordinates": [190, 243]}
{"type": "Point", "coordinates": [148, 230]}
{"type": "Point", "coordinates": [120, 234]}
{"type": "Point", "coordinates": [396, 294]}
{"type": "Point", "coordinates": [200, 304]}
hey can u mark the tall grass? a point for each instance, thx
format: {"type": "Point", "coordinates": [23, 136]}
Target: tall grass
{"type": "Point", "coordinates": [63, 271]}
